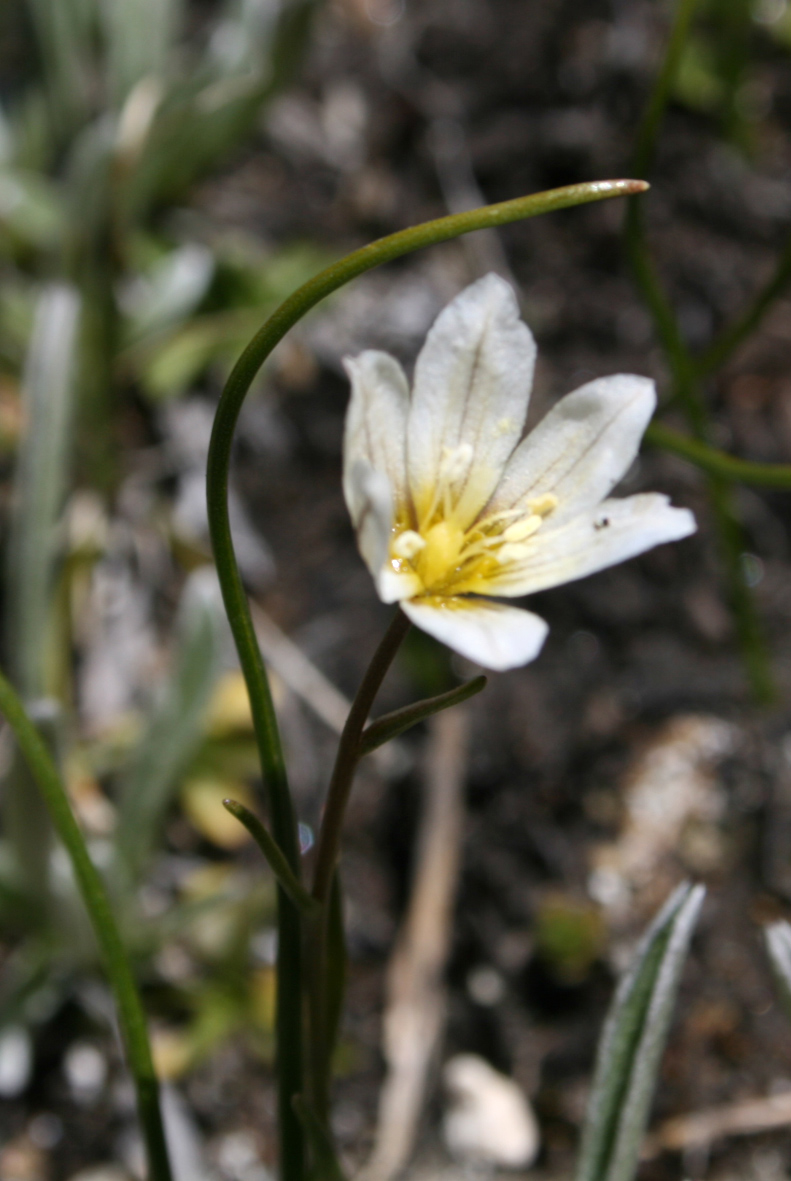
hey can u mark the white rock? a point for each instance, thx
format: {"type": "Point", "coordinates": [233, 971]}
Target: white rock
{"type": "Point", "coordinates": [490, 1120]}
{"type": "Point", "coordinates": [16, 1061]}
{"type": "Point", "coordinates": [106, 1172]}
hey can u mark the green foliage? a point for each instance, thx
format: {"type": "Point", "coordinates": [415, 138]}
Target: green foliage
{"type": "Point", "coordinates": [632, 1043]}
{"type": "Point", "coordinates": [569, 937]}
{"type": "Point", "coordinates": [175, 727]}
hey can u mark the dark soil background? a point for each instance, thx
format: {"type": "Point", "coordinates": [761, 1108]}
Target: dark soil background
{"type": "Point", "coordinates": [400, 112]}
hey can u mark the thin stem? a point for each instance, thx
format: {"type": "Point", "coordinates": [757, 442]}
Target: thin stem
{"type": "Point", "coordinates": [719, 463]}
{"type": "Point", "coordinates": [348, 756]}
{"type": "Point", "coordinates": [748, 625]}
{"type": "Point", "coordinates": [289, 969]}
{"type": "Point", "coordinates": [657, 103]}
{"type": "Point", "coordinates": [732, 336]}
{"type": "Point", "coordinates": [131, 1016]}
{"type": "Point", "coordinates": [681, 363]}
{"type": "Point", "coordinates": [327, 849]}
{"type": "Point", "coordinates": [685, 374]}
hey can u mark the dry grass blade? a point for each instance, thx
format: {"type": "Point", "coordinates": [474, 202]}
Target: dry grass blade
{"type": "Point", "coordinates": [415, 1006]}
{"type": "Point", "coordinates": [702, 1128]}
{"type": "Point", "coordinates": [299, 673]}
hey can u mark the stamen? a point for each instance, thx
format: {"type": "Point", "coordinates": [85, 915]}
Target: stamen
{"type": "Point", "coordinates": [521, 530]}
{"type": "Point", "coordinates": [514, 551]}
{"type": "Point", "coordinates": [542, 506]}
{"type": "Point", "coordinates": [453, 466]}
{"type": "Point", "coordinates": [408, 544]}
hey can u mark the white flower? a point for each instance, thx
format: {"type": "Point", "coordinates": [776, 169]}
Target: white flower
{"type": "Point", "coordinates": [449, 505]}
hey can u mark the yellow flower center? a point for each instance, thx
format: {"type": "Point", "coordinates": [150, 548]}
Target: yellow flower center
{"type": "Point", "coordinates": [447, 559]}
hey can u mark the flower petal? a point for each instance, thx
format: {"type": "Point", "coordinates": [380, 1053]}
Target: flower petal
{"type": "Point", "coordinates": [609, 533]}
{"type": "Point", "coordinates": [376, 420]}
{"type": "Point", "coordinates": [491, 634]}
{"type": "Point", "coordinates": [370, 501]}
{"type": "Point", "coordinates": [471, 389]}
{"type": "Point", "coordinates": [369, 498]}
{"type": "Point", "coordinates": [581, 448]}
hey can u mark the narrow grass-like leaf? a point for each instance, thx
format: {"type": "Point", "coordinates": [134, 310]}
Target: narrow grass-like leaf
{"type": "Point", "coordinates": [778, 946]}
{"type": "Point", "coordinates": [395, 723]}
{"type": "Point", "coordinates": [138, 38]}
{"type": "Point", "coordinates": [26, 822]}
{"type": "Point", "coordinates": [130, 1010]}
{"type": "Point", "coordinates": [632, 1043]}
{"type": "Point", "coordinates": [65, 32]}
{"type": "Point", "coordinates": [325, 1164]}
{"type": "Point", "coordinates": [40, 482]}
{"type": "Point", "coordinates": [174, 730]}
{"type": "Point", "coordinates": [39, 485]}
{"type": "Point", "coordinates": [277, 862]}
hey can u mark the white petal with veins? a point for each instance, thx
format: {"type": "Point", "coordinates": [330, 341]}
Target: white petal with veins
{"type": "Point", "coordinates": [600, 536]}
{"type": "Point", "coordinates": [375, 430]}
{"type": "Point", "coordinates": [490, 634]}
{"type": "Point", "coordinates": [450, 508]}
{"type": "Point", "coordinates": [369, 498]}
{"type": "Point", "coordinates": [581, 448]}
{"type": "Point", "coordinates": [471, 389]}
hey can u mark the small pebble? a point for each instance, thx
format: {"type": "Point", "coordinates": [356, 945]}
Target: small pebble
{"type": "Point", "coordinates": [490, 1121]}
{"type": "Point", "coordinates": [45, 1130]}
{"type": "Point", "coordinates": [85, 1068]}
{"type": "Point", "coordinates": [16, 1061]}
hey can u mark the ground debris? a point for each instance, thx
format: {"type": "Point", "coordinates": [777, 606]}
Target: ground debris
{"type": "Point", "coordinates": [672, 803]}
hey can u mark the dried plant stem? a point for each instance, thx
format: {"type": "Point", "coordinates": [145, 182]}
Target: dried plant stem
{"type": "Point", "coordinates": [131, 1017]}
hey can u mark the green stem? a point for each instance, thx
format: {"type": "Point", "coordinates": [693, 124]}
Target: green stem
{"type": "Point", "coordinates": [681, 363]}
{"type": "Point", "coordinates": [271, 851]}
{"type": "Point", "coordinates": [289, 1019]}
{"type": "Point", "coordinates": [328, 847]}
{"type": "Point", "coordinates": [685, 374]}
{"type": "Point", "coordinates": [348, 756]}
{"type": "Point", "coordinates": [130, 1009]}
{"type": "Point", "coordinates": [655, 111]}
{"type": "Point", "coordinates": [731, 337]}
{"type": "Point", "coordinates": [748, 624]}
{"type": "Point", "coordinates": [719, 463]}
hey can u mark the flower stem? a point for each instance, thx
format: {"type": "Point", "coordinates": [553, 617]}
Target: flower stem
{"type": "Point", "coordinates": [289, 968]}
{"type": "Point", "coordinates": [719, 463]}
{"type": "Point", "coordinates": [732, 336]}
{"type": "Point", "coordinates": [131, 1016]}
{"type": "Point", "coordinates": [327, 848]}
{"type": "Point", "coordinates": [348, 756]}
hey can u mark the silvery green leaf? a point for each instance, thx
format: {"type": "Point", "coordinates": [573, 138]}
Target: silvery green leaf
{"type": "Point", "coordinates": [170, 292]}
{"type": "Point", "coordinates": [778, 946]}
{"type": "Point", "coordinates": [139, 38]}
{"type": "Point", "coordinates": [65, 30]}
{"type": "Point", "coordinates": [632, 1042]}
{"type": "Point", "coordinates": [40, 481]}
{"type": "Point", "coordinates": [174, 727]}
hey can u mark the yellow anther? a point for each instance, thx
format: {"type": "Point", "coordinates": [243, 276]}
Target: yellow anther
{"type": "Point", "coordinates": [542, 506]}
{"type": "Point", "coordinates": [521, 530]}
